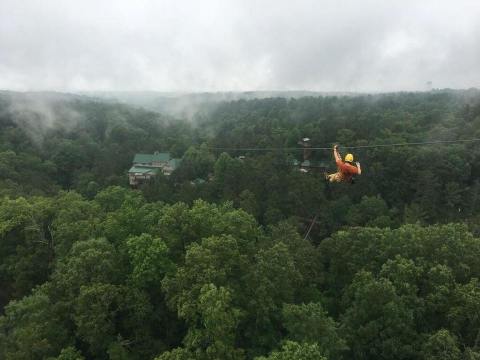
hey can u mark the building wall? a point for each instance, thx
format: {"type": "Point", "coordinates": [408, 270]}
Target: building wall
{"type": "Point", "coordinates": [135, 179]}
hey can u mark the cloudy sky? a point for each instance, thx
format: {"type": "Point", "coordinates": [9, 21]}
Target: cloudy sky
{"type": "Point", "coordinates": [222, 45]}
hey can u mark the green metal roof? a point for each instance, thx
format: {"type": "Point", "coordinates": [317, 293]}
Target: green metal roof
{"type": "Point", "coordinates": [174, 163]}
{"type": "Point", "coordinates": [149, 158]}
{"type": "Point", "coordinates": [143, 170]}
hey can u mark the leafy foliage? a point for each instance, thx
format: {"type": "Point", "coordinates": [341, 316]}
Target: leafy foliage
{"type": "Point", "coordinates": [238, 255]}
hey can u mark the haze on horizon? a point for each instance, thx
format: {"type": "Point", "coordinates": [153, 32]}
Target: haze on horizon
{"type": "Point", "coordinates": [222, 45]}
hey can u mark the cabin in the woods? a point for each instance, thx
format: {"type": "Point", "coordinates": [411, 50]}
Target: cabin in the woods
{"type": "Point", "coordinates": [146, 166]}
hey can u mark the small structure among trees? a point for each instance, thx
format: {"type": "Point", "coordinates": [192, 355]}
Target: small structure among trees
{"type": "Point", "coordinates": [146, 166]}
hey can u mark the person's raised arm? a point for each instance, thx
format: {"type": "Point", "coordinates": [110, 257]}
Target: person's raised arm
{"type": "Point", "coordinates": [359, 168]}
{"type": "Point", "coordinates": [336, 154]}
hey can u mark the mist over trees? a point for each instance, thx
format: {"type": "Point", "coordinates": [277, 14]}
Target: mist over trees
{"type": "Point", "coordinates": [212, 262]}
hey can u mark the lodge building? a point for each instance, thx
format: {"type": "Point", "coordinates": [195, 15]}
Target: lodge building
{"type": "Point", "coordinates": [146, 166]}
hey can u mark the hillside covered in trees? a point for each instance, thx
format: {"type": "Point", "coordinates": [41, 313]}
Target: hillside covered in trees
{"type": "Point", "coordinates": [221, 259]}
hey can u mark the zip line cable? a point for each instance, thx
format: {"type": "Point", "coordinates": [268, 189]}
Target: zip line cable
{"type": "Point", "coordinates": [311, 226]}
{"type": "Point", "coordinates": [436, 142]}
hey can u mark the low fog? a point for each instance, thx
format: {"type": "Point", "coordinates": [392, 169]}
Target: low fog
{"type": "Point", "coordinates": [191, 46]}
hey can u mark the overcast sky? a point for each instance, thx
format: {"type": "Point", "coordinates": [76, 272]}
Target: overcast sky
{"type": "Point", "coordinates": [209, 45]}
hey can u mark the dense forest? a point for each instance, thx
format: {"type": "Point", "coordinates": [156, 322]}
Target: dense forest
{"type": "Point", "coordinates": [238, 254]}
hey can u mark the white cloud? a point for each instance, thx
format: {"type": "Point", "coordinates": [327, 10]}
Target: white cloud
{"type": "Point", "coordinates": [214, 45]}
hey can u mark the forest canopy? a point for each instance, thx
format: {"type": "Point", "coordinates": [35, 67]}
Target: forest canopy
{"type": "Point", "coordinates": [238, 254]}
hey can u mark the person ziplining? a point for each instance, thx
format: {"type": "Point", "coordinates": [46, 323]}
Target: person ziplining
{"type": "Point", "coordinates": [346, 170]}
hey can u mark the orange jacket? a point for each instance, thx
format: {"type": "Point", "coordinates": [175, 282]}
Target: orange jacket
{"type": "Point", "coordinates": [346, 169]}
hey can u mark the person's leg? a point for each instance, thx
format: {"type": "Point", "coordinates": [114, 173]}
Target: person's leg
{"type": "Point", "coordinates": [337, 177]}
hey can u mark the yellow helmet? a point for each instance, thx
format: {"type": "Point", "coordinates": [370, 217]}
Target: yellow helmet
{"type": "Point", "coordinates": [349, 157]}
